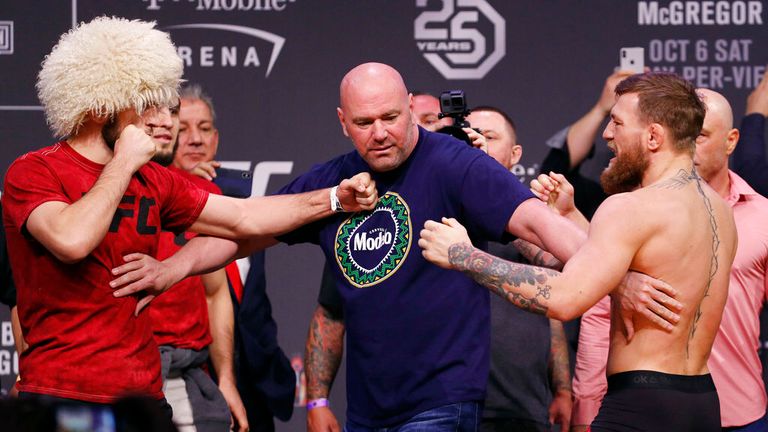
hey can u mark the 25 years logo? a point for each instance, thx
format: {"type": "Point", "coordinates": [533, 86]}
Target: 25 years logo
{"type": "Point", "coordinates": [464, 39]}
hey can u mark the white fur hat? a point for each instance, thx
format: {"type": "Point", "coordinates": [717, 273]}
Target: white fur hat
{"type": "Point", "coordinates": [106, 66]}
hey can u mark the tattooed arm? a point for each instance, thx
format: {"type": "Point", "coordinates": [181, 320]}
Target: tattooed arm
{"type": "Point", "coordinates": [589, 275]}
{"type": "Point", "coordinates": [537, 256]}
{"type": "Point", "coordinates": [560, 377]}
{"type": "Point", "coordinates": [325, 346]}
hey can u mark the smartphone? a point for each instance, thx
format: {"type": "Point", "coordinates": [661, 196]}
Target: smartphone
{"type": "Point", "coordinates": [632, 59]}
{"type": "Point", "coordinates": [233, 182]}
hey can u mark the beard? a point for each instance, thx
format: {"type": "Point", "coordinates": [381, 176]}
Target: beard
{"type": "Point", "coordinates": [110, 133]}
{"type": "Point", "coordinates": [626, 173]}
{"type": "Point", "coordinates": [165, 158]}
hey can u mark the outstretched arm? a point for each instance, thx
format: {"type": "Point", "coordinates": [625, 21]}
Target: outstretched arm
{"type": "Point", "coordinates": [582, 133]}
{"type": "Point", "coordinates": [562, 296]}
{"type": "Point", "coordinates": [325, 346]}
{"type": "Point", "coordinates": [271, 216]}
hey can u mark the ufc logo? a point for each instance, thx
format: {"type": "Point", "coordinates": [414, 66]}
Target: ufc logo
{"type": "Point", "coordinates": [128, 212]}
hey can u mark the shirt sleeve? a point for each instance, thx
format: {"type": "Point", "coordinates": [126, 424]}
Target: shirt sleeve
{"type": "Point", "coordinates": [182, 200]}
{"type": "Point", "coordinates": [489, 196]}
{"type": "Point", "coordinates": [29, 183]}
{"type": "Point", "coordinates": [589, 381]}
{"type": "Point", "coordinates": [329, 296]}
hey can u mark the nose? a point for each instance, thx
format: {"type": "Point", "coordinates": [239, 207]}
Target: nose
{"type": "Point", "coordinates": [379, 131]}
{"type": "Point", "coordinates": [608, 132]}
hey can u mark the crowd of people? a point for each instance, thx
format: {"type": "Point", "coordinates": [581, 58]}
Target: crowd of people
{"type": "Point", "coordinates": [126, 297]}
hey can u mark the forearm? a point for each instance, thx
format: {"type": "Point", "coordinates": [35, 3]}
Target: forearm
{"type": "Point", "coordinates": [268, 216]}
{"type": "Point", "coordinates": [202, 255]}
{"type": "Point", "coordinates": [536, 255]}
{"type": "Point", "coordinates": [72, 231]}
{"type": "Point", "coordinates": [324, 350]}
{"type": "Point", "coordinates": [582, 134]}
{"type": "Point", "coordinates": [559, 364]}
{"type": "Point", "coordinates": [221, 321]}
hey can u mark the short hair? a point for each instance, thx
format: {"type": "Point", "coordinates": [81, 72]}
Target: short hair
{"type": "Point", "coordinates": [498, 111]}
{"type": "Point", "coordinates": [195, 91]}
{"type": "Point", "coordinates": [669, 100]}
{"type": "Point", "coordinates": [104, 67]}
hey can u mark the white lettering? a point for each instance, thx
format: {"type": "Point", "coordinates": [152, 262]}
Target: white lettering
{"type": "Point", "coordinates": [251, 58]}
{"type": "Point", "coordinates": [229, 56]}
{"type": "Point", "coordinates": [5, 362]}
{"type": "Point", "coordinates": [709, 12]}
{"type": "Point", "coordinates": [361, 241]}
{"type": "Point", "coordinates": [6, 334]}
{"type": "Point", "coordinates": [206, 56]}
{"type": "Point", "coordinates": [241, 5]}
{"type": "Point", "coordinates": [185, 53]}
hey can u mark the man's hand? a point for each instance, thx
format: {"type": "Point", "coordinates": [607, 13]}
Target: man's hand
{"type": "Point", "coordinates": [321, 419]}
{"type": "Point", "coordinates": [436, 240]}
{"type": "Point", "coordinates": [142, 273]}
{"type": "Point", "coordinates": [477, 139]}
{"type": "Point", "coordinates": [236, 407]}
{"type": "Point", "coordinates": [358, 193]}
{"type": "Point", "coordinates": [608, 95]}
{"type": "Point", "coordinates": [651, 298]}
{"type": "Point", "coordinates": [134, 147]}
{"type": "Point", "coordinates": [757, 101]}
{"type": "Point", "coordinates": [555, 190]}
{"type": "Point", "coordinates": [206, 169]}
{"type": "Point", "coordinates": [560, 410]}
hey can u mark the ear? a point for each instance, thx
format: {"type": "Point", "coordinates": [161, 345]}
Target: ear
{"type": "Point", "coordinates": [340, 113]}
{"type": "Point", "coordinates": [517, 153]}
{"type": "Point", "coordinates": [215, 141]}
{"type": "Point", "coordinates": [731, 140]}
{"type": "Point", "coordinates": [656, 136]}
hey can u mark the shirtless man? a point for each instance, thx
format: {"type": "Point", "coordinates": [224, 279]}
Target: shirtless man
{"type": "Point", "coordinates": [671, 226]}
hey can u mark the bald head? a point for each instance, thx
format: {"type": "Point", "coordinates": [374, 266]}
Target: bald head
{"type": "Point", "coordinates": [371, 80]}
{"type": "Point", "coordinates": [376, 113]}
{"type": "Point", "coordinates": [717, 106]}
{"type": "Point", "coordinates": [717, 140]}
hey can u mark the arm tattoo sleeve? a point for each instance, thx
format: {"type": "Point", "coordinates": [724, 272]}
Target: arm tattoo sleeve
{"type": "Point", "coordinates": [325, 346]}
{"type": "Point", "coordinates": [525, 286]}
{"type": "Point", "coordinates": [537, 256]}
{"type": "Point", "coordinates": [559, 364]}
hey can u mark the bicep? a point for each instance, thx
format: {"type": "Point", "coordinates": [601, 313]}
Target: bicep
{"type": "Point", "coordinates": [42, 225]}
{"type": "Point", "coordinates": [220, 216]}
{"type": "Point", "coordinates": [535, 222]}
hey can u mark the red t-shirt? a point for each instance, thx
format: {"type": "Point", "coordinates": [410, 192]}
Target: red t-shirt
{"type": "Point", "coordinates": [180, 315]}
{"type": "Point", "coordinates": [83, 342]}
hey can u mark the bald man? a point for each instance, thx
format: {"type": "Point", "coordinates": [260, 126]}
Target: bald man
{"type": "Point", "coordinates": [734, 363]}
{"type": "Point", "coordinates": [417, 335]}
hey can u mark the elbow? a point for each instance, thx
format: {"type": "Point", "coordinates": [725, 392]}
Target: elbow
{"type": "Point", "coordinates": [564, 310]}
{"type": "Point", "coordinates": [71, 251]}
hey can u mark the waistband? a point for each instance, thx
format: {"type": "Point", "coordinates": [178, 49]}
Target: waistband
{"type": "Point", "coordinates": [660, 380]}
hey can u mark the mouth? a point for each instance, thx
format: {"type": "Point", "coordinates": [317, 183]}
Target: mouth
{"type": "Point", "coordinates": [163, 138]}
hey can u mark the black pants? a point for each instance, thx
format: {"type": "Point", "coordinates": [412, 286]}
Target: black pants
{"type": "Point", "coordinates": [659, 402]}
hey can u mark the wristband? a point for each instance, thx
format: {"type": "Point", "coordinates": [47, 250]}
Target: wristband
{"type": "Point", "coordinates": [335, 203]}
{"type": "Point", "coordinates": [317, 403]}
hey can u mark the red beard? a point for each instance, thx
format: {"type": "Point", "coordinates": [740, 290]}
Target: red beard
{"type": "Point", "coordinates": [626, 173]}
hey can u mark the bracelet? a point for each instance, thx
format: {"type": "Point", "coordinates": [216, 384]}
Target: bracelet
{"type": "Point", "coordinates": [335, 203]}
{"type": "Point", "coordinates": [317, 403]}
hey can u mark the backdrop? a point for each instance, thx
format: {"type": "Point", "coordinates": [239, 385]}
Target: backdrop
{"type": "Point", "coordinates": [273, 68]}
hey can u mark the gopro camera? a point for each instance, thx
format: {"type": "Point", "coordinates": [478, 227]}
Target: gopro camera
{"type": "Point", "coordinates": [453, 103]}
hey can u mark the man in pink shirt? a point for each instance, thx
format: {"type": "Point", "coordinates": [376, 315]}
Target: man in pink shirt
{"type": "Point", "coordinates": [734, 363]}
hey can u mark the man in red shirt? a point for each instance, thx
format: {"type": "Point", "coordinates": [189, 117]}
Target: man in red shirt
{"type": "Point", "coordinates": [75, 209]}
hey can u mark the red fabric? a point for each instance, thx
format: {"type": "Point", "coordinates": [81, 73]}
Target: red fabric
{"type": "Point", "coordinates": [83, 342]}
{"type": "Point", "coordinates": [233, 274]}
{"type": "Point", "coordinates": [180, 315]}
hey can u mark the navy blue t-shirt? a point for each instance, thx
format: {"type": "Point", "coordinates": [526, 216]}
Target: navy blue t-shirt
{"type": "Point", "coordinates": [417, 335]}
